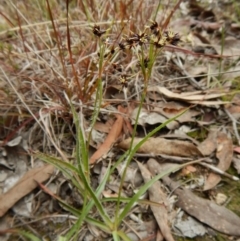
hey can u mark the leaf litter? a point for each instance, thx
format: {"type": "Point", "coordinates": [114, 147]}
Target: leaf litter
{"type": "Point", "coordinates": [24, 186]}
{"type": "Point", "coordinates": [204, 210]}
{"type": "Point", "coordinates": [112, 137]}
{"type": "Point", "coordinates": [157, 195]}
{"type": "Point", "coordinates": [182, 79]}
{"type": "Point", "coordinates": [158, 146]}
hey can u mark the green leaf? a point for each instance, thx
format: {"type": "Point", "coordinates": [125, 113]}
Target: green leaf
{"type": "Point", "coordinates": [129, 158]}
{"type": "Point", "coordinates": [124, 236]}
{"type": "Point", "coordinates": [28, 235]}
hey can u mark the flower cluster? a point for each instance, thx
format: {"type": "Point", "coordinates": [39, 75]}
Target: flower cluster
{"type": "Point", "coordinates": [156, 37]}
{"type": "Point", "coordinates": [152, 35]}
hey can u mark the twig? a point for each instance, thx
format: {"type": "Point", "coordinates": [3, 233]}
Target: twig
{"type": "Point", "coordinates": [219, 171]}
{"type": "Point", "coordinates": [234, 124]}
{"type": "Point", "coordinates": [171, 158]}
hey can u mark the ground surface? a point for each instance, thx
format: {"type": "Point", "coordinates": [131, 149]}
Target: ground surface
{"type": "Point", "coordinates": [99, 97]}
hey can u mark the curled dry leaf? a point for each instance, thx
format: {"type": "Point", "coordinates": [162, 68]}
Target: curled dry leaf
{"type": "Point", "coordinates": [24, 186]}
{"type": "Point", "coordinates": [157, 195]}
{"type": "Point", "coordinates": [158, 146]}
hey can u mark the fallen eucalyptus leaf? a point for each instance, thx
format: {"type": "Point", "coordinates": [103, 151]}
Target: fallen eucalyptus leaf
{"type": "Point", "coordinates": [158, 146]}
{"type": "Point", "coordinates": [24, 186]}
{"type": "Point", "coordinates": [206, 211]}
{"type": "Point", "coordinates": [197, 97]}
{"type": "Point", "coordinates": [224, 154]}
{"type": "Point", "coordinates": [157, 195]}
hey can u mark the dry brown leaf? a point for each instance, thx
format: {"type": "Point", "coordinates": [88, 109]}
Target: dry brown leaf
{"type": "Point", "coordinates": [209, 145]}
{"type": "Point", "coordinates": [196, 97]}
{"type": "Point", "coordinates": [212, 180]}
{"type": "Point", "coordinates": [157, 195]}
{"type": "Point", "coordinates": [224, 151]}
{"type": "Point", "coordinates": [109, 141]}
{"type": "Point", "coordinates": [158, 146]}
{"type": "Point", "coordinates": [170, 111]}
{"type": "Point", "coordinates": [24, 186]}
{"type": "Point", "coordinates": [208, 212]}
{"type": "Point", "coordinates": [127, 127]}
{"type": "Point", "coordinates": [215, 216]}
{"type": "Point", "coordinates": [225, 155]}
{"type": "Point", "coordinates": [163, 112]}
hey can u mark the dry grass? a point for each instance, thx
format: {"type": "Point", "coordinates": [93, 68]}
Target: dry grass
{"type": "Point", "coordinates": [38, 65]}
{"type": "Point", "coordinates": [50, 57]}
{"type": "Point", "coordinates": [88, 56]}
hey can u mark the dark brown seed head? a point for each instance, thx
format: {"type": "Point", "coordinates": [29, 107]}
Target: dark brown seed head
{"type": "Point", "coordinates": [175, 39]}
{"type": "Point", "coordinates": [122, 46]}
{"type": "Point", "coordinates": [97, 31]}
{"type": "Point", "coordinates": [155, 28]}
{"type": "Point", "coordinates": [154, 25]}
{"type": "Point", "coordinates": [146, 61]}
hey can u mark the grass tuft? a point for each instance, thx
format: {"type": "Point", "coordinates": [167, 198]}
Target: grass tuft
{"type": "Point", "coordinates": [61, 61]}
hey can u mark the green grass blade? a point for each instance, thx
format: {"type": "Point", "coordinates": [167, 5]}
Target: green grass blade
{"type": "Point", "coordinates": [98, 224]}
{"type": "Point", "coordinates": [84, 175]}
{"type": "Point", "coordinates": [97, 107]}
{"type": "Point", "coordinates": [115, 236]}
{"type": "Point", "coordinates": [28, 235]}
{"type": "Point", "coordinates": [134, 150]}
{"type": "Point", "coordinates": [124, 236]}
{"type": "Point", "coordinates": [142, 190]}
{"type": "Point", "coordinates": [56, 162]}
{"type": "Point", "coordinates": [73, 232]}
{"type": "Point", "coordinates": [89, 206]}
{"type": "Point", "coordinates": [66, 168]}
{"type": "Point", "coordinates": [81, 148]}
{"type": "Point", "coordinates": [61, 238]}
